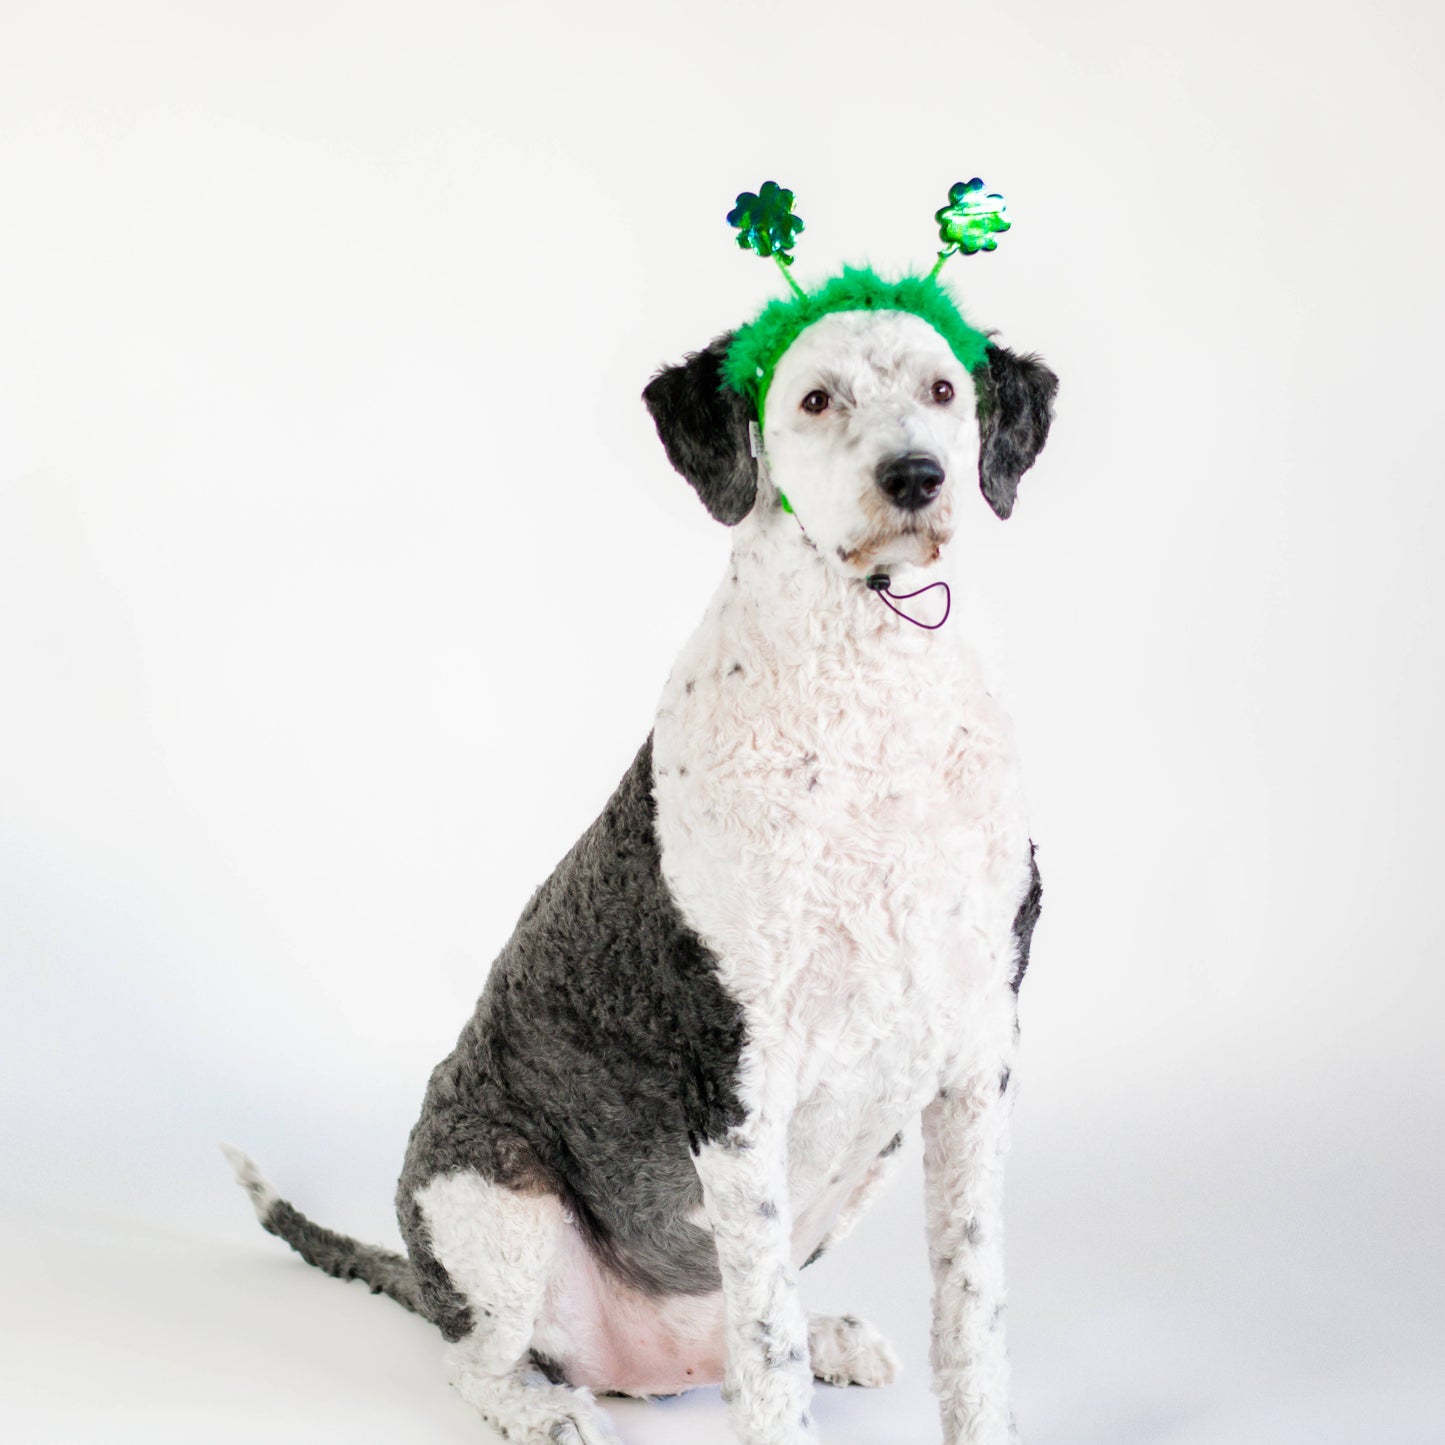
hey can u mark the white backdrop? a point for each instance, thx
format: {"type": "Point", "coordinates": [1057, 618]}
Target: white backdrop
{"type": "Point", "coordinates": [340, 569]}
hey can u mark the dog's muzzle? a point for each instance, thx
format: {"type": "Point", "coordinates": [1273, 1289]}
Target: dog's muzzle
{"type": "Point", "coordinates": [910, 481]}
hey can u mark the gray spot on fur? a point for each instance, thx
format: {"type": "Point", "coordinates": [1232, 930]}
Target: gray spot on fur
{"type": "Point", "coordinates": [602, 1048]}
{"type": "Point", "coordinates": [816, 1255]}
{"type": "Point", "coordinates": [768, 1209]}
{"type": "Point", "coordinates": [892, 1146]}
{"type": "Point", "coordinates": [775, 1358]}
{"type": "Point", "coordinates": [972, 1231]}
{"type": "Point", "coordinates": [1025, 920]}
{"type": "Point", "coordinates": [551, 1369]}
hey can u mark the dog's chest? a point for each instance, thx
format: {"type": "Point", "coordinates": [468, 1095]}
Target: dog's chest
{"type": "Point", "coordinates": [844, 829]}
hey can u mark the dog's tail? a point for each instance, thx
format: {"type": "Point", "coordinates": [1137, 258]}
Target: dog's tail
{"type": "Point", "coordinates": [339, 1255]}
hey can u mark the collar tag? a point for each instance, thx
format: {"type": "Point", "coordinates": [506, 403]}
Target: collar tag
{"type": "Point", "coordinates": [755, 439]}
{"type": "Point", "coordinates": [878, 583]}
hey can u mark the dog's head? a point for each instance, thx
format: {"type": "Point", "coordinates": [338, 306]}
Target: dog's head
{"type": "Point", "coordinates": [871, 424]}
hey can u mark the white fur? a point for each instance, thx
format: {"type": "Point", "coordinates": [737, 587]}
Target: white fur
{"type": "Point", "coordinates": [502, 1269]}
{"type": "Point", "coordinates": [878, 370]}
{"type": "Point", "coordinates": [525, 1406]}
{"type": "Point", "coordinates": [248, 1175]}
{"type": "Point", "coordinates": [746, 1191]}
{"type": "Point", "coordinates": [965, 1137]}
{"type": "Point", "coordinates": [840, 820]}
{"type": "Point", "coordinates": [848, 1351]}
{"type": "Point", "coordinates": [533, 1284]}
{"type": "Point", "coordinates": [498, 1248]}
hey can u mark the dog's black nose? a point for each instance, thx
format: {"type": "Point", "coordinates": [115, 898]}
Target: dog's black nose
{"type": "Point", "coordinates": [910, 481]}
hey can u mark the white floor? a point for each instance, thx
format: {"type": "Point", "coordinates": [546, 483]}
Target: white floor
{"type": "Point", "coordinates": [1287, 1294]}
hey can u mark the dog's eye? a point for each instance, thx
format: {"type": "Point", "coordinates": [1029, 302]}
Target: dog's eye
{"type": "Point", "coordinates": [942, 392]}
{"type": "Point", "coordinates": [815, 401]}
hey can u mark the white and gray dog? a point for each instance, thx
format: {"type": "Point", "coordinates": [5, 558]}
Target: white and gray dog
{"type": "Point", "coordinates": [800, 921]}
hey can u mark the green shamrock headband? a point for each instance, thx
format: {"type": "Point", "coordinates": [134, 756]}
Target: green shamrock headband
{"type": "Point", "coordinates": [766, 224]}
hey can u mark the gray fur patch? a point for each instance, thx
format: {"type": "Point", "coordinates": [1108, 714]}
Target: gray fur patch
{"type": "Point", "coordinates": [704, 428]}
{"type": "Point", "coordinates": [342, 1257]}
{"type": "Point", "coordinates": [1014, 396]}
{"type": "Point", "coordinates": [602, 1049]}
{"type": "Point", "coordinates": [1024, 922]}
{"type": "Point", "coordinates": [550, 1369]}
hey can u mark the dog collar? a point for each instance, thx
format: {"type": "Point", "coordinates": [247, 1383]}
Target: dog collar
{"type": "Point", "coordinates": [878, 583]}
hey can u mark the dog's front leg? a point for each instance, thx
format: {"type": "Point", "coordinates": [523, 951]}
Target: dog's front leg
{"type": "Point", "coordinates": [769, 1383]}
{"type": "Point", "coordinates": [965, 1138]}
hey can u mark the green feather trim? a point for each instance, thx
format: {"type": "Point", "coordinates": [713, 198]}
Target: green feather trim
{"type": "Point", "coordinates": [758, 347]}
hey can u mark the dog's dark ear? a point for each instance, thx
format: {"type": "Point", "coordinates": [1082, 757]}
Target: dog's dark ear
{"type": "Point", "coordinates": [704, 429]}
{"type": "Point", "coordinates": [1015, 398]}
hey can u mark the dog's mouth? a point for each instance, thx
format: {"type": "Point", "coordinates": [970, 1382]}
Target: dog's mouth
{"type": "Point", "coordinates": [915, 542]}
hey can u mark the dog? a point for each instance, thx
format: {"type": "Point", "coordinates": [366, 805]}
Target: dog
{"type": "Point", "coordinates": [799, 923]}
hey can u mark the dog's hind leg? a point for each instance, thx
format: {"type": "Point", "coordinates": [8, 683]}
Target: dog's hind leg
{"type": "Point", "coordinates": [496, 1247]}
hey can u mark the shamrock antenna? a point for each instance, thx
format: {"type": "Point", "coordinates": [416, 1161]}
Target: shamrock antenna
{"type": "Point", "coordinates": [969, 222]}
{"type": "Point", "coordinates": [766, 224]}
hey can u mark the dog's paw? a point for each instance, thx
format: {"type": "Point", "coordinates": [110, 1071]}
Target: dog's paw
{"type": "Point", "coordinates": [525, 1409]}
{"type": "Point", "coordinates": [848, 1351]}
{"type": "Point", "coordinates": [577, 1422]}
{"type": "Point", "coordinates": [573, 1431]}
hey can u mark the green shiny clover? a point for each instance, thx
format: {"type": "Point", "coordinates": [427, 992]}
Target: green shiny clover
{"type": "Point", "coordinates": [766, 223]}
{"type": "Point", "coordinates": [970, 220]}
